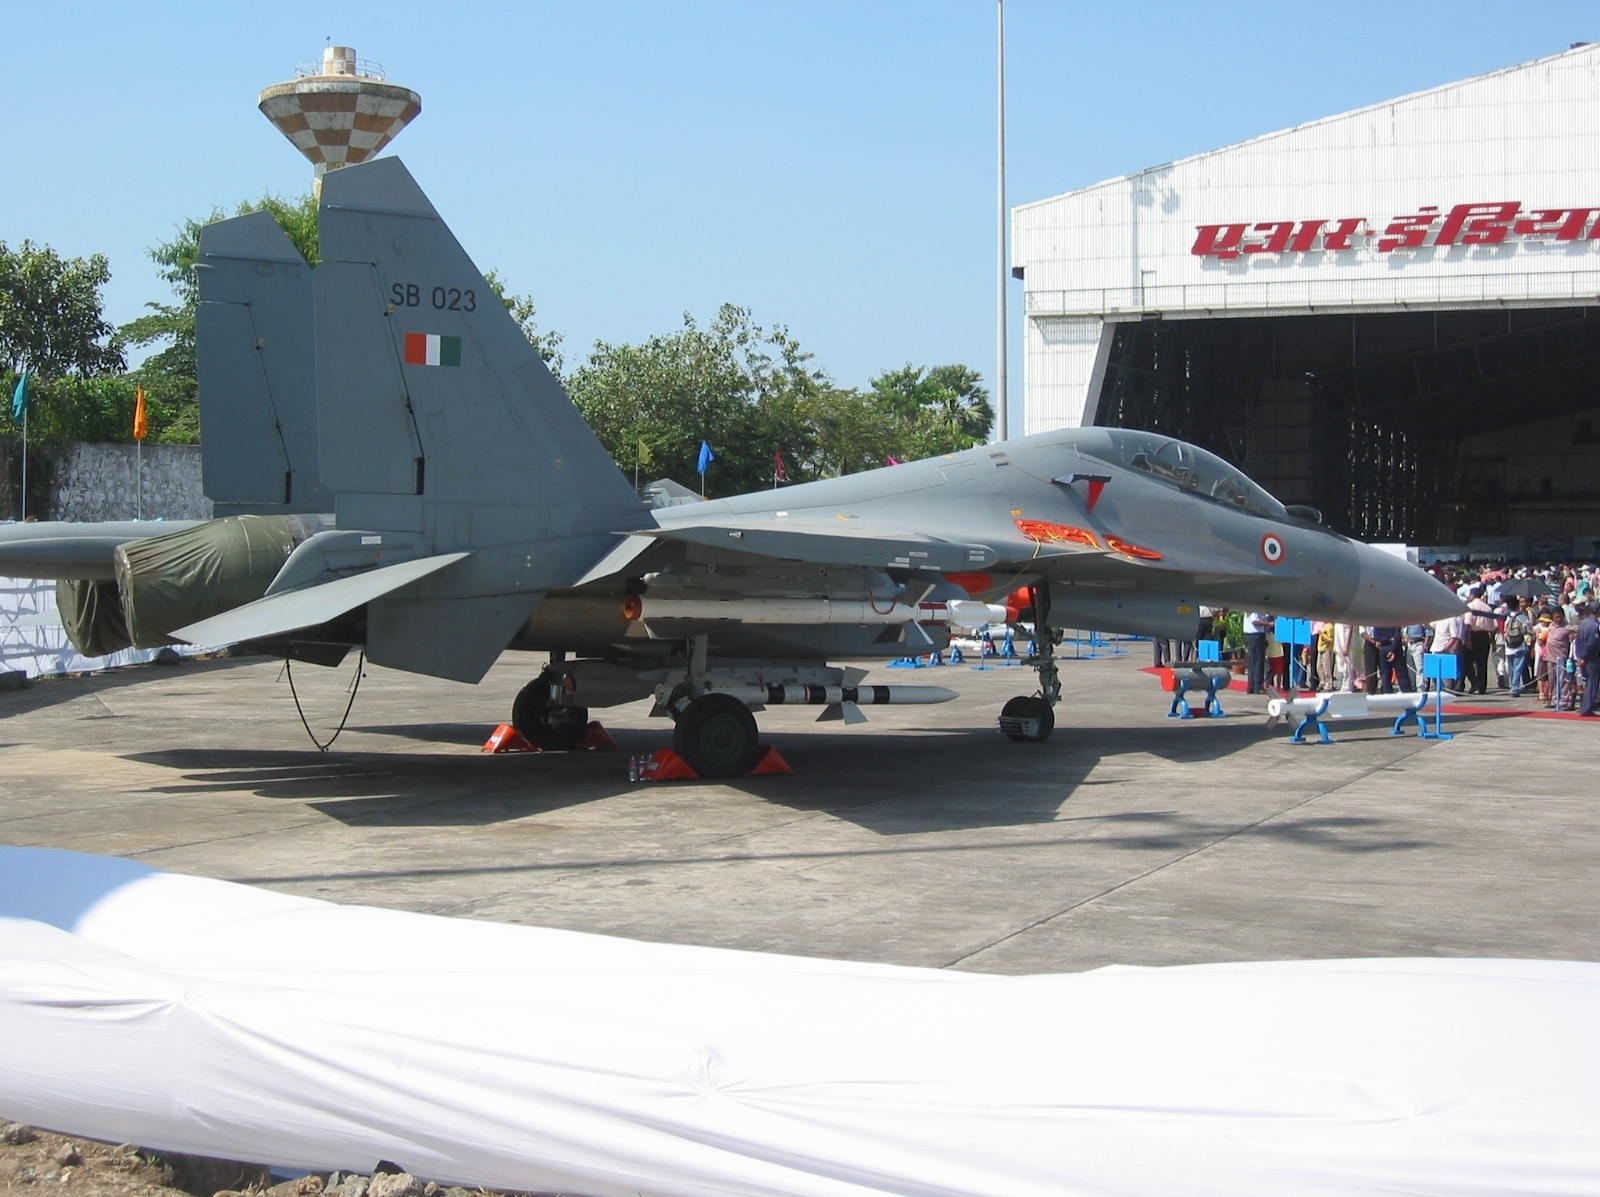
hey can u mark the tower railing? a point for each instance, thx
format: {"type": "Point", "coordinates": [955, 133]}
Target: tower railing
{"type": "Point", "coordinates": [359, 68]}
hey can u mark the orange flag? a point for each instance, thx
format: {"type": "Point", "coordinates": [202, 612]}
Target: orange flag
{"type": "Point", "coordinates": [139, 428]}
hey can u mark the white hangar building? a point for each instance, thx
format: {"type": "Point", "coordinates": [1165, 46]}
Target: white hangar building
{"type": "Point", "coordinates": [1392, 315]}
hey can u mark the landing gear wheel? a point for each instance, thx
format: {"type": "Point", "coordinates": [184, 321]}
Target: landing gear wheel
{"type": "Point", "coordinates": [1027, 717]}
{"type": "Point", "coordinates": [546, 724]}
{"type": "Point", "coordinates": [716, 734]}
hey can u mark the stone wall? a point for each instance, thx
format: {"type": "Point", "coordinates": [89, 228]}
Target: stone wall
{"type": "Point", "coordinates": [121, 482]}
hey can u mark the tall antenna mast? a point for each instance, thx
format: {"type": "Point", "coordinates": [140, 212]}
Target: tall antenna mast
{"type": "Point", "coordinates": [1002, 267]}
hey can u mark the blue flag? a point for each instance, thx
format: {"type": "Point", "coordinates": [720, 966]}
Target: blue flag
{"type": "Point", "coordinates": [19, 397]}
{"type": "Point", "coordinates": [706, 457]}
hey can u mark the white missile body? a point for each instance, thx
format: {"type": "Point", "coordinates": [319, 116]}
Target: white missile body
{"type": "Point", "coordinates": [817, 696]}
{"type": "Point", "coordinates": [814, 611]}
{"type": "Point", "coordinates": [963, 613]}
{"type": "Point", "coordinates": [970, 613]}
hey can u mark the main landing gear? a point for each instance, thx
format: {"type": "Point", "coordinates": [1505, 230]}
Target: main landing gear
{"type": "Point", "coordinates": [545, 713]}
{"type": "Point", "coordinates": [716, 734]}
{"type": "Point", "coordinates": [712, 731]}
{"type": "Point", "coordinates": [1032, 716]}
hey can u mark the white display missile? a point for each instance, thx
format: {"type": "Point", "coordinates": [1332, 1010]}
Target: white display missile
{"type": "Point", "coordinates": [963, 613]}
{"type": "Point", "coordinates": [970, 613]}
{"type": "Point", "coordinates": [818, 696]}
{"type": "Point", "coordinates": [769, 610]}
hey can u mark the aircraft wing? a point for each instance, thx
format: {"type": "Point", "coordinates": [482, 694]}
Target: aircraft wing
{"type": "Point", "coordinates": [60, 549]}
{"type": "Point", "coordinates": [292, 610]}
{"type": "Point", "coordinates": [820, 539]}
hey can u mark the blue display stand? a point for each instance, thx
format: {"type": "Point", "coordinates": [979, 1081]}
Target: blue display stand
{"type": "Point", "coordinates": [1294, 633]}
{"type": "Point", "coordinates": [1439, 668]}
{"type": "Point", "coordinates": [1099, 646]}
{"type": "Point", "coordinates": [1187, 681]}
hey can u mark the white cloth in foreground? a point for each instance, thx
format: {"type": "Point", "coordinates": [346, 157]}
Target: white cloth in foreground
{"type": "Point", "coordinates": [200, 1016]}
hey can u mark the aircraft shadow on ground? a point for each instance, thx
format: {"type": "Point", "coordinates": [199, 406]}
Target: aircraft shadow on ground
{"type": "Point", "coordinates": [892, 784]}
{"type": "Point", "coordinates": [378, 789]}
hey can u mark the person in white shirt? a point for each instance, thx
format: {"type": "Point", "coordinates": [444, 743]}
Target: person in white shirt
{"type": "Point", "coordinates": [1256, 626]}
{"type": "Point", "coordinates": [1449, 637]}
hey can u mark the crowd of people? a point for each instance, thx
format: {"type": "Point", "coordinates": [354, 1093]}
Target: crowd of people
{"type": "Point", "coordinates": [1533, 631]}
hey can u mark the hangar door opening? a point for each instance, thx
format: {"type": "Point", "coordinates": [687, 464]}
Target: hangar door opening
{"type": "Point", "coordinates": [1429, 427]}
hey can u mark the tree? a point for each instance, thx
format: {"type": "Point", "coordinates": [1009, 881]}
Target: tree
{"type": "Point", "coordinates": [50, 314]}
{"type": "Point", "coordinates": [51, 325]}
{"type": "Point", "coordinates": [849, 434]}
{"type": "Point", "coordinates": [744, 389]}
{"type": "Point", "coordinates": [909, 413]}
{"type": "Point", "coordinates": [938, 409]}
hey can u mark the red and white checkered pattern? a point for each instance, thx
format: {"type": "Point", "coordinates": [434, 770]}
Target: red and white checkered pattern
{"type": "Point", "coordinates": [337, 121]}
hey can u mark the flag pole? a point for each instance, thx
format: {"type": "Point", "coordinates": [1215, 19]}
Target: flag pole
{"type": "Point", "coordinates": [19, 411]}
{"type": "Point", "coordinates": [140, 428]}
{"type": "Point", "coordinates": [703, 463]}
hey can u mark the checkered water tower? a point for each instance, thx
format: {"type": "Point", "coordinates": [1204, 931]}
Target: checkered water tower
{"type": "Point", "coordinates": [340, 113]}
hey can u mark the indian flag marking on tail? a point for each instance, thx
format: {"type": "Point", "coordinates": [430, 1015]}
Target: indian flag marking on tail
{"type": "Point", "coordinates": [431, 349]}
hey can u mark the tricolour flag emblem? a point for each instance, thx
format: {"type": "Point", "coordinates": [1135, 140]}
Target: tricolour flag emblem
{"type": "Point", "coordinates": [430, 349]}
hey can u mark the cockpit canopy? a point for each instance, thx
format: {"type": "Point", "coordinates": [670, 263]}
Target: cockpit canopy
{"type": "Point", "coordinates": [1185, 466]}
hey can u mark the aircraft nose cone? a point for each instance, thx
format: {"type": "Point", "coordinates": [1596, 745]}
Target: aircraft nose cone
{"type": "Point", "coordinates": [1392, 591]}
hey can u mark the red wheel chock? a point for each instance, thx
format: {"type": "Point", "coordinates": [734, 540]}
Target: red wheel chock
{"type": "Point", "coordinates": [506, 738]}
{"type": "Point", "coordinates": [597, 738]}
{"type": "Point", "coordinates": [666, 765]}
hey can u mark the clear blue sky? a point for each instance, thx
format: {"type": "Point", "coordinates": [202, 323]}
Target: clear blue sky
{"type": "Point", "coordinates": [829, 164]}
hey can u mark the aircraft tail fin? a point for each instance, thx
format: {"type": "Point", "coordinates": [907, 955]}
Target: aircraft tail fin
{"type": "Point", "coordinates": [436, 414]}
{"type": "Point", "coordinates": [436, 424]}
{"type": "Point", "coordinates": [256, 370]}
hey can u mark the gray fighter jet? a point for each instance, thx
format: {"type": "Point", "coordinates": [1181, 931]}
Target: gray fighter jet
{"type": "Point", "coordinates": [437, 499]}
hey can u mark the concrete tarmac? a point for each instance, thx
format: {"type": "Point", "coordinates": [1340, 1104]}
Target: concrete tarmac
{"type": "Point", "coordinates": [922, 838]}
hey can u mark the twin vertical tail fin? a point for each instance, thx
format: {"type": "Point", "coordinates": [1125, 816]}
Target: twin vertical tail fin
{"type": "Point", "coordinates": [256, 367]}
{"type": "Point", "coordinates": [436, 414]}
{"type": "Point", "coordinates": [436, 433]}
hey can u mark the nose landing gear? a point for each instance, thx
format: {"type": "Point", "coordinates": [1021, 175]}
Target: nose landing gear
{"type": "Point", "coordinates": [1031, 716]}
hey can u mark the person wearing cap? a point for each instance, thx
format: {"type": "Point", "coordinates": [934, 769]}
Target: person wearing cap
{"type": "Point", "coordinates": [1541, 667]}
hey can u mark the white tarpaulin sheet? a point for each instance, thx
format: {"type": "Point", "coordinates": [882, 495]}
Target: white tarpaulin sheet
{"type": "Point", "coordinates": [200, 1016]}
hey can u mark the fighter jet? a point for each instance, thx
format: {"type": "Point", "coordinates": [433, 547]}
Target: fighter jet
{"type": "Point", "coordinates": [465, 507]}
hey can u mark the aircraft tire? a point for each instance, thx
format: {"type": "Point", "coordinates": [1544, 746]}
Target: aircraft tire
{"type": "Point", "coordinates": [717, 736]}
{"type": "Point", "coordinates": [1027, 717]}
{"type": "Point", "coordinates": [551, 727]}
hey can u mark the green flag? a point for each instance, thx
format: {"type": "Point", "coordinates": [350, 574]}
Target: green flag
{"type": "Point", "coordinates": [19, 397]}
